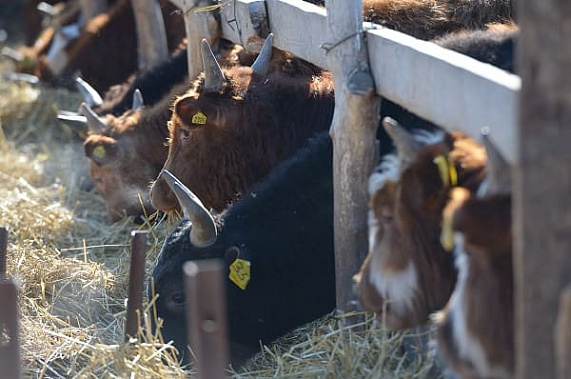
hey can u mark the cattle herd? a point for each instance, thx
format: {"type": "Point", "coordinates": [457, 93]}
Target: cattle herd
{"type": "Point", "coordinates": [243, 152]}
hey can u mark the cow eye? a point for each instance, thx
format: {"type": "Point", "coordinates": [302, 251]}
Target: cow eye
{"type": "Point", "coordinates": [184, 133]}
{"type": "Point", "coordinates": [176, 301]}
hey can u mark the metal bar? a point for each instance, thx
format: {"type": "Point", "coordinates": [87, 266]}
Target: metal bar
{"type": "Point", "coordinates": [9, 342]}
{"type": "Point", "coordinates": [206, 317]}
{"type": "Point", "coordinates": [136, 283]}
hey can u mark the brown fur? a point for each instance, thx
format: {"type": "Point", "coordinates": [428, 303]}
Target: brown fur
{"type": "Point", "coordinates": [412, 234]}
{"type": "Point", "coordinates": [427, 19]}
{"type": "Point", "coordinates": [135, 146]}
{"type": "Point", "coordinates": [253, 123]}
{"type": "Point", "coordinates": [485, 224]}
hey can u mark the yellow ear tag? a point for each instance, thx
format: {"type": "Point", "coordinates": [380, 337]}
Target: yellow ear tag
{"type": "Point", "coordinates": [199, 118]}
{"type": "Point", "coordinates": [446, 170]}
{"type": "Point", "coordinates": [447, 234]}
{"type": "Point", "coordinates": [99, 152]}
{"type": "Point", "coordinates": [240, 273]}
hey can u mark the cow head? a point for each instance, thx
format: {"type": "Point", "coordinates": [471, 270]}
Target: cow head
{"type": "Point", "coordinates": [475, 331]}
{"type": "Point", "coordinates": [407, 274]}
{"type": "Point", "coordinates": [208, 132]}
{"type": "Point", "coordinates": [124, 155]}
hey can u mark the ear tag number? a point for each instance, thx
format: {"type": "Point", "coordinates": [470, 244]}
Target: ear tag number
{"type": "Point", "coordinates": [199, 118]}
{"type": "Point", "coordinates": [99, 152]}
{"type": "Point", "coordinates": [240, 273]}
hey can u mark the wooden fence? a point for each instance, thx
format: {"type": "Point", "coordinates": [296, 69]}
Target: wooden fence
{"type": "Point", "coordinates": [457, 93]}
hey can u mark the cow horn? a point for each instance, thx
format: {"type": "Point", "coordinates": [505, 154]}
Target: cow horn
{"type": "Point", "coordinates": [262, 62]}
{"type": "Point", "coordinates": [137, 100]}
{"type": "Point", "coordinates": [203, 232]}
{"type": "Point", "coordinates": [406, 145]}
{"type": "Point", "coordinates": [93, 121]}
{"type": "Point", "coordinates": [12, 54]}
{"type": "Point", "coordinates": [73, 119]}
{"type": "Point", "coordinates": [498, 171]}
{"type": "Point", "coordinates": [90, 95]}
{"type": "Point", "coordinates": [213, 76]}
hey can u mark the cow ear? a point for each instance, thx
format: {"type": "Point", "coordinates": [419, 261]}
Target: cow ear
{"type": "Point", "coordinates": [101, 152]}
{"type": "Point", "coordinates": [189, 112]}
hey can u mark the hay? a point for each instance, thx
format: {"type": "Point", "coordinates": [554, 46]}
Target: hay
{"type": "Point", "coordinates": [71, 265]}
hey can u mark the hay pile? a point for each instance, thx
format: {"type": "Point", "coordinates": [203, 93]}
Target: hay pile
{"type": "Point", "coordinates": [71, 265]}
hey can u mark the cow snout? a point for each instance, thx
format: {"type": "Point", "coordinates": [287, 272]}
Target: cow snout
{"type": "Point", "coordinates": [162, 198]}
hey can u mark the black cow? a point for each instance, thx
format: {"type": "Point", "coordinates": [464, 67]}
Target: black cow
{"type": "Point", "coordinates": [284, 228]}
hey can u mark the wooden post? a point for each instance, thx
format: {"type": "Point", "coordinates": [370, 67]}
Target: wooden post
{"type": "Point", "coordinates": [198, 25]}
{"type": "Point", "coordinates": [151, 34]}
{"type": "Point", "coordinates": [136, 283]}
{"type": "Point", "coordinates": [92, 8]}
{"type": "Point", "coordinates": [353, 132]}
{"type": "Point", "coordinates": [9, 340]}
{"type": "Point", "coordinates": [245, 23]}
{"type": "Point", "coordinates": [205, 292]}
{"type": "Point", "coordinates": [3, 251]}
{"type": "Point", "coordinates": [563, 336]}
{"type": "Point", "coordinates": [542, 185]}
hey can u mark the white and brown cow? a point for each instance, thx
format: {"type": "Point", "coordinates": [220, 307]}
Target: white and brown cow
{"type": "Point", "coordinates": [475, 332]}
{"type": "Point", "coordinates": [407, 274]}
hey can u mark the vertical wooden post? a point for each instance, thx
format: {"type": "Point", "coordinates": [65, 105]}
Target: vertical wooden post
{"type": "Point", "coordinates": [198, 26]}
{"type": "Point", "coordinates": [205, 292]}
{"type": "Point", "coordinates": [9, 339]}
{"type": "Point", "coordinates": [3, 251]}
{"type": "Point", "coordinates": [563, 336]}
{"type": "Point", "coordinates": [136, 283]}
{"type": "Point", "coordinates": [542, 185]}
{"type": "Point", "coordinates": [151, 34]}
{"type": "Point", "coordinates": [353, 132]}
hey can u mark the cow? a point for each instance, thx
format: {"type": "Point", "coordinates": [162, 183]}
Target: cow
{"type": "Point", "coordinates": [136, 138]}
{"type": "Point", "coordinates": [282, 229]}
{"type": "Point", "coordinates": [475, 331]}
{"type": "Point", "coordinates": [234, 125]}
{"type": "Point", "coordinates": [62, 51]}
{"type": "Point", "coordinates": [407, 274]}
{"type": "Point", "coordinates": [429, 19]}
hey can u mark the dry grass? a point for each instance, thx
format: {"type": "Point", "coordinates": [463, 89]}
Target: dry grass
{"type": "Point", "coordinates": [71, 265]}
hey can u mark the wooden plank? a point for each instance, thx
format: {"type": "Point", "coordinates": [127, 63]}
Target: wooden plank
{"type": "Point", "coordinates": [205, 292]}
{"type": "Point", "coordinates": [300, 28]}
{"type": "Point", "coordinates": [542, 183]}
{"type": "Point", "coordinates": [151, 34]}
{"type": "Point", "coordinates": [199, 24]}
{"type": "Point", "coordinates": [3, 251]}
{"type": "Point", "coordinates": [136, 283]}
{"type": "Point", "coordinates": [563, 336]}
{"type": "Point", "coordinates": [353, 133]}
{"type": "Point", "coordinates": [245, 23]}
{"type": "Point", "coordinates": [445, 87]}
{"type": "Point", "coordinates": [9, 339]}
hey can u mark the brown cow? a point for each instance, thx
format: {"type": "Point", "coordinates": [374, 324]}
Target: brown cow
{"type": "Point", "coordinates": [407, 274]}
{"type": "Point", "coordinates": [475, 331]}
{"type": "Point", "coordinates": [59, 53]}
{"type": "Point", "coordinates": [126, 152]}
{"type": "Point", "coordinates": [234, 125]}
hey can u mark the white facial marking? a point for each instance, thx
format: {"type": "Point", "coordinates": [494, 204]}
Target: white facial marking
{"type": "Point", "coordinates": [398, 288]}
{"type": "Point", "coordinates": [428, 138]}
{"type": "Point", "coordinates": [469, 348]}
{"type": "Point", "coordinates": [387, 171]}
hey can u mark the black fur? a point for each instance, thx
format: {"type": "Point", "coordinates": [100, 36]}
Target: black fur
{"type": "Point", "coordinates": [284, 227]}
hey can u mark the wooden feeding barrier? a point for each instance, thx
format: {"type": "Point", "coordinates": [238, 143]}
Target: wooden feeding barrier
{"type": "Point", "coordinates": [205, 293]}
{"type": "Point", "coordinates": [136, 283]}
{"type": "Point", "coordinates": [457, 93]}
{"type": "Point", "coordinates": [151, 35]}
{"type": "Point", "coordinates": [9, 339]}
{"type": "Point", "coordinates": [3, 251]}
